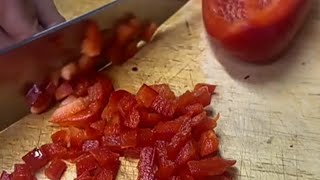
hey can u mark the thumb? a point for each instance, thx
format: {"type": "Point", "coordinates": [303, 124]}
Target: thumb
{"type": "Point", "coordinates": [47, 12]}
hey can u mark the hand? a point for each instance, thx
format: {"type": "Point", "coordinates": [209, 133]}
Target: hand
{"type": "Point", "coordinates": [20, 19]}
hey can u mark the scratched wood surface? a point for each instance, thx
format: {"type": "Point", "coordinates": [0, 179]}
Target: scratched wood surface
{"type": "Point", "coordinates": [270, 114]}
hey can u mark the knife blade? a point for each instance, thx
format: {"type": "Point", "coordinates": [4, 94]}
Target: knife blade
{"type": "Point", "coordinates": [30, 60]}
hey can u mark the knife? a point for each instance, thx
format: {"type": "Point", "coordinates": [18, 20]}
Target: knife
{"type": "Point", "coordinates": [30, 60]}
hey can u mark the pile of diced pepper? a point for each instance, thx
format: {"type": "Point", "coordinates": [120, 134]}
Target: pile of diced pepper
{"type": "Point", "coordinates": [172, 136]}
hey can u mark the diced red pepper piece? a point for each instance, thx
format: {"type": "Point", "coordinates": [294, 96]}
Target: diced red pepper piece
{"type": "Point", "coordinates": [55, 170]}
{"type": "Point", "coordinates": [132, 152]}
{"type": "Point", "coordinates": [175, 178]}
{"type": "Point", "coordinates": [179, 139]}
{"type": "Point", "coordinates": [36, 159]}
{"type": "Point", "coordinates": [53, 150]}
{"type": "Point", "coordinates": [166, 130]}
{"type": "Point", "coordinates": [60, 137]}
{"type": "Point", "coordinates": [145, 138]}
{"type": "Point", "coordinates": [205, 125]}
{"type": "Point", "coordinates": [149, 30]}
{"type": "Point", "coordinates": [111, 141]}
{"type": "Point", "coordinates": [146, 95]}
{"type": "Point", "coordinates": [105, 175]}
{"type": "Point", "coordinates": [210, 87]}
{"type": "Point", "coordinates": [105, 157]}
{"type": "Point", "coordinates": [111, 130]}
{"type": "Point", "coordinates": [201, 95]}
{"type": "Point", "coordinates": [196, 120]}
{"type": "Point", "coordinates": [22, 172]}
{"type": "Point", "coordinates": [185, 174]}
{"type": "Point", "coordinates": [99, 126]}
{"type": "Point", "coordinates": [146, 164]}
{"type": "Point", "coordinates": [209, 167]}
{"type": "Point", "coordinates": [100, 90]}
{"type": "Point", "coordinates": [166, 167]}
{"type": "Point", "coordinates": [115, 168]}
{"type": "Point", "coordinates": [149, 119]}
{"type": "Point", "coordinates": [5, 176]}
{"type": "Point", "coordinates": [85, 176]}
{"type": "Point", "coordinates": [185, 100]}
{"type": "Point", "coordinates": [187, 153]}
{"type": "Point", "coordinates": [128, 139]}
{"type": "Point", "coordinates": [128, 109]}
{"type": "Point", "coordinates": [163, 106]}
{"type": "Point", "coordinates": [77, 137]}
{"type": "Point", "coordinates": [86, 162]}
{"type": "Point", "coordinates": [111, 111]}
{"type": "Point", "coordinates": [208, 143]}
{"type": "Point", "coordinates": [194, 109]}
{"type": "Point", "coordinates": [92, 44]}
{"type": "Point", "coordinates": [89, 145]}
{"type": "Point", "coordinates": [72, 154]}
{"type": "Point", "coordinates": [164, 91]}
{"type": "Point", "coordinates": [64, 90]}
{"type": "Point", "coordinates": [93, 134]}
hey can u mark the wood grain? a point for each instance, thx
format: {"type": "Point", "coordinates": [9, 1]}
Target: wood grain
{"type": "Point", "coordinates": [270, 114]}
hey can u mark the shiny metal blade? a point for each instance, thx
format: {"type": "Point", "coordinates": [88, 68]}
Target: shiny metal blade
{"type": "Point", "coordinates": [32, 59]}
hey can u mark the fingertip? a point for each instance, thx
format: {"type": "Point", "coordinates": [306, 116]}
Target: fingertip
{"type": "Point", "coordinates": [48, 14]}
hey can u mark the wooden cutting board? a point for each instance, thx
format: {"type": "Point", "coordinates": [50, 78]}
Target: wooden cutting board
{"type": "Point", "coordinates": [270, 114]}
